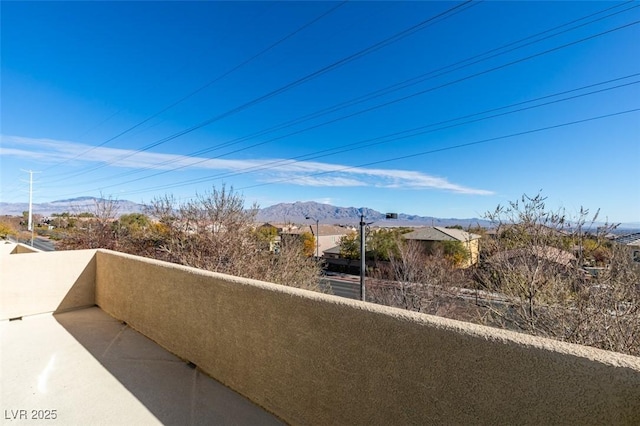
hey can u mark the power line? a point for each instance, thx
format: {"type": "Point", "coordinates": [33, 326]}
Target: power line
{"type": "Point", "coordinates": [379, 45]}
{"type": "Point", "coordinates": [415, 80]}
{"type": "Point", "coordinates": [458, 146]}
{"type": "Point", "coordinates": [413, 132]}
{"type": "Point", "coordinates": [170, 77]}
{"type": "Point", "coordinates": [418, 131]}
{"type": "Point", "coordinates": [372, 108]}
{"type": "Point", "coordinates": [389, 89]}
{"type": "Point", "coordinates": [486, 71]}
{"type": "Point", "coordinates": [208, 84]}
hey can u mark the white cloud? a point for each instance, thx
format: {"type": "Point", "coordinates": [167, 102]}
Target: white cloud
{"type": "Point", "coordinates": [304, 173]}
{"type": "Point", "coordinates": [326, 200]}
{"type": "Point", "coordinates": [305, 180]}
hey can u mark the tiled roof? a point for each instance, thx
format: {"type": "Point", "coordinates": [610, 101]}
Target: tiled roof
{"type": "Point", "coordinates": [324, 230]}
{"type": "Point", "coordinates": [551, 254]}
{"type": "Point", "coordinates": [333, 250]}
{"type": "Point", "coordinates": [438, 233]}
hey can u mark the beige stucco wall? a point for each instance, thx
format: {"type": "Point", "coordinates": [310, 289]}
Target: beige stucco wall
{"type": "Point", "coordinates": [24, 249]}
{"type": "Point", "coordinates": [318, 359]}
{"type": "Point", "coordinates": [473, 246]}
{"type": "Point", "coordinates": [8, 247]}
{"type": "Point", "coordinates": [42, 282]}
{"type": "Point", "coordinates": [328, 241]}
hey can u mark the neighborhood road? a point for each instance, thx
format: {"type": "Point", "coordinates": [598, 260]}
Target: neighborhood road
{"type": "Point", "coordinates": [348, 286]}
{"type": "Point", "coordinates": [343, 288]}
{"type": "Point", "coordinates": [43, 244]}
{"type": "Point", "coordinates": [40, 243]}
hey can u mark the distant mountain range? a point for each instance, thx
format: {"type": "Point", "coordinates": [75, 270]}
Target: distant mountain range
{"type": "Point", "coordinates": [326, 213]}
{"type": "Point", "coordinates": [279, 213]}
{"type": "Point", "coordinates": [73, 205]}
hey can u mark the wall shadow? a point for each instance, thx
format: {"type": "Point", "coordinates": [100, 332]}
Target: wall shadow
{"type": "Point", "coordinates": [174, 391]}
{"type": "Point", "coordinates": [82, 293]}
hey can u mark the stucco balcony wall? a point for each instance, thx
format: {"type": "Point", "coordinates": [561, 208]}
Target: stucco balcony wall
{"type": "Point", "coordinates": [37, 282]}
{"type": "Point", "coordinates": [8, 247]}
{"type": "Point", "coordinates": [65, 361]}
{"type": "Point", "coordinates": [318, 359]}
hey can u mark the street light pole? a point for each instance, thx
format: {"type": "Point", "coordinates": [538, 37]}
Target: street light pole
{"type": "Point", "coordinates": [363, 263]}
{"type": "Point", "coordinates": [317, 235]}
{"type": "Point", "coordinates": [363, 251]}
{"type": "Point", "coordinates": [30, 226]}
{"type": "Point", "coordinates": [317, 239]}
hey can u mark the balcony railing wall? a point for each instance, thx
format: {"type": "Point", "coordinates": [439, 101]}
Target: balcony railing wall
{"type": "Point", "coordinates": [317, 359]}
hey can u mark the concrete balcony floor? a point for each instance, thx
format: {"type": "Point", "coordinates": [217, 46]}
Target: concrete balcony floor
{"type": "Point", "coordinates": [94, 370]}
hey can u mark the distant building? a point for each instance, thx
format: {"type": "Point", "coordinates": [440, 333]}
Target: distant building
{"type": "Point", "coordinates": [432, 236]}
{"type": "Point", "coordinates": [546, 253]}
{"type": "Point", "coordinates": [332, 253]}
{"type": "Point", "coordinates": [629, 239]}
{"type": "Point", "coordinates": [633, 242]}
{"type": "Point", "coordinates": [329, 235]}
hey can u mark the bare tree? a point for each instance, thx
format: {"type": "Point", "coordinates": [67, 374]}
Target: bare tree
{"type": "Point", "coordinates": [607, 310]}
{"type": "Point", "coordinates": [96, 231]}
{"type": "Point", "coordinates": [417, 280]}
{"type": "Point", "coordinates": [291, 266]}
{"type": "Point", "coordinates": [215, 232]}
{"type": "Point", "coordinates": [537, 262]}
{"type": "Point", "coordinates": [406, 276]}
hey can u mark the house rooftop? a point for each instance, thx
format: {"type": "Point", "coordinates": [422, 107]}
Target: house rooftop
{"type": "Point", "coordinates": [438, 233]}
{"type": "Point", "coordinates": [323, 230]}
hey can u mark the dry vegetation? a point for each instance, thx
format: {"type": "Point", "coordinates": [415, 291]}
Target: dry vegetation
{"type": "Point", "coordinates": [537, 260]}
{"type": "Point", "coordinates": [530, 277]}
{"type": "Point", "coordinates": [215, 232]}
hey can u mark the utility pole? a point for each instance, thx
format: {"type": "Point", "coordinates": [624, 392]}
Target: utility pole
{"type": "Point", "coordinates": [363, 263]}
{"type": "Point", "coordinates": [30, 220]}
{"type": "Point", "coordinates": [317, 235]}
{"type": "Point", "coordinates": [363, 251]}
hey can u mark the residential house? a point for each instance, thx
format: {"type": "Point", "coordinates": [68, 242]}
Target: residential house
{"type": "Point", "coordinates": [329, 235]}
{"type": "Point", "coordinates": [271, 234]}
{"type": "Point", "coordinates": [633, 242]}
{"type": "Point", "coordinates": [433, 236]}
{"type": "Point", "coordinates": [545, 253]}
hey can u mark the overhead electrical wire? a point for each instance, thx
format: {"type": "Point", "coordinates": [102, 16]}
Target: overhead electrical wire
{"type": "Point", "coordinates": [404, 97]}
{"type": "Point", "coordinates": [409, 96]}
{"type": "Point", "coordinates": [452, 147]}
{"type": "Point", "coordinates": [389, 89]}
{"type": "Point", "coordinates": [210, 83]}
{"type": "Point", "coordinates": [415, 80]}
{"type": "Point", "coordinates": [405, 134]}
{"type": "Point", "coordinates": [171, 76]}
{"type": "Point", "coordinates": [409, 133]}
{"type": "Point", "coordinates": [624, 26]}
{"type": "Point", "coordinates": [431, 151]}
{"type": "Point", "coordinates": [372, 48]}
{"type": "Point", "coordinates": [431, 89]}
{"type": "Point", "coordinates": [396, 135]}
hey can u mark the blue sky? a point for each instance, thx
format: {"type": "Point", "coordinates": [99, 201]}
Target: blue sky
{"type": "Point", "coordinates": [442, 109]}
